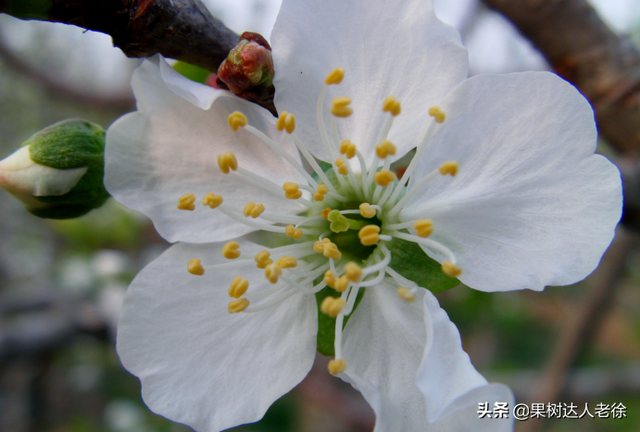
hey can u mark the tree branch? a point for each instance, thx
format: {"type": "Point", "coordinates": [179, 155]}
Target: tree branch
{"type": "Point", "coordinates": [582, 49]}
{"type": "Point", "coordinates": [179, 29]}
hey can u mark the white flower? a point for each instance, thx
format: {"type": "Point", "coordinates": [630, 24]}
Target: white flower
{"type": "Point", "coordinates": [505, 193]}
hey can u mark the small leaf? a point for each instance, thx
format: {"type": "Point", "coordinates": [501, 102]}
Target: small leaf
{"type": "Point", "coordinates": [408, 259]}
{"type": "Point", "coordinates": [194, 73]}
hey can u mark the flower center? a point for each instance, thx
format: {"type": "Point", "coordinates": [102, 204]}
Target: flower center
{"type": "Point", "coordinates": [343, 240]}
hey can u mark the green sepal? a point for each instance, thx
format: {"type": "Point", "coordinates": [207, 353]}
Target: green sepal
{"type": "Point", "coordinates": [69, 144]}
{"type": "Point", "coordinates": [194, 73]}
{"type": "Point", "coordinates": [408, 259]}
{"type": "Point", "coordinates": [327, 325]}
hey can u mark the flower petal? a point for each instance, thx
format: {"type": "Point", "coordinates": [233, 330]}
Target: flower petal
{"type": "Point", "coordinates": [200, 365]}
{"type": "Point", "coordinates": [402, 50]}
{"type": "Point", "coordinates": [531, 204]}
{"type": "Point", "coordinates": [388, 341]}
{"type": "Point", "coordinates": [169, 148]}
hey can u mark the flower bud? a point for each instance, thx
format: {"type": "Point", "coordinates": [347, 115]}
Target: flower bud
{"type": "Point", "coordinates": [58, 172]}
{"type": "Point", "coordinates": [248, 69]}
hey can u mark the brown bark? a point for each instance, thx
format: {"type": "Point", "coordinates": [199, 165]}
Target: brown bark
{"type": "Point", "coordinates": [179, 29]}
{"type": "Point", "coordinates": [605, 67]}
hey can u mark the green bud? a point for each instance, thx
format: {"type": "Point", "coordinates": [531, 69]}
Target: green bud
{"type": "Point", "coordinates": [58, 172]}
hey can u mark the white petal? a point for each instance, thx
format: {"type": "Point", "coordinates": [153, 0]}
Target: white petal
{"type": "Point", "coordinates": [169, 148]}
{"type": "Point", "coordinates": [200, 365]}
{"type": "Point", "coordinates": [531, 204]}
{"type": "Point", "coordinates": [388, 341]}
{"type": "Point", "coordinates": [401, 49]}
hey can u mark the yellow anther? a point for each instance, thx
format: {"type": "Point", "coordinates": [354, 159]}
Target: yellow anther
{"type": "Point", "coordinates": [294, 232]}
{"type": "Point", "coordinates": [331, 251]}
{"type": "Point", "coordinates": [348, 149]}
{"type": "Point", "coordinates": [423, 227]}
{"type": "Point", "coordinates": [330, 279]}
{"type": "Point", "coordinates": [450, 167]}
{"type": "Point", "coordinates": [230, 250]}
{"type": "Point", "coordinates": [291, 190]}
{"type": "Point", "coordinates": [334, 77]}
{"type": "Point", "coordinates": [227, 161]}
{"type": "Point", "coordinates": [406, 294]}
{"type": "Point", "coordinates": [212, 200]}
{"type": "Point", "coordinates": [238, 287]}
{"type": "Point", "coordinates": [337, 366]}
{"type": "Point", "coordinates": [252, 209]}
{"type": "Point", "coordinates": [325, 213]}
{"type": "Point", "coordinates": [237, 120]}
{"type": "Point", "coordinates": [281, 120]}
{"type": "Point", "coordinates": [437, 113]}
{"type": "Point", "coordinates": [369, 235]}
{"type": "Point", "coordinates": [273, 272]}
{"type": "Point", "coordinates": [384, 177]}
{"type": "Point", "coordinates": [263, 259]}
{"type": "Point", "coordinates": [353, 272]}
{"type": "Point", "coordinates": [450, 269]}
{"type": "Point", "coordinates": [342, 166]}
{"type": "Point", "coordinates": [287, 262]}
{"type": "Point", "coordinates": [386, 148]}
{"type": "Point", "coordinates": [286, 121]}
{"type": "Point", "coordinates": [340, 106]}
{"type": "Point", "coordinates": [321, 191]}
{"type": "Point", "coordinates": [185, 202]}
{"type": "Point", "coordinates": [239, 305]}
{"type": "Point", "coordinates": [391, 105]}
{"type": "Point", "coordinates": [366, 211]}
{"type": "Point", "coordinates": [341, 283]}
{"type": "Point", "coordinates": [331, 306]}
{"type": "Point", "coordinates": [195, 267]}
{"type": "Point", "coordinates": [318, 246]}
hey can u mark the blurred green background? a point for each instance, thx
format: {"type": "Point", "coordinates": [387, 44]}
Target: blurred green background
{"type": "Point", "coordinates": [62, 282]}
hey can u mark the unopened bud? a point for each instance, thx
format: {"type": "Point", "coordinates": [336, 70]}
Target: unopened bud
{"type": "Point", "coordinates": [248, 69]}
{"type": "Point", "coordinates": [58, 172]}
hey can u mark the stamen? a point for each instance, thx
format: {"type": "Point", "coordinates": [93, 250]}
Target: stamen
{"type": "Point", "coordinates": [450, 269]}
{"type": "Point", "coordinates": [384, 177]}
{"type": "Point", "coordinates": [335, 76]}
{"type": "Point", "coordinates": [314, 164]}
{"type": "Point", "coordinates": [272, 272]}
{"type": "Point", "coordinates": [195, 267]}
{"type": "Point", "coordinates": [450, 167]}
{"type": "Point", "coordinates": [239, 305]}
{"type": "Point", "coordinates": [238, 287]}
{"type": "Point", "coordinates": [212, 200]}
{"type": "Point", "coordinates": [369, 235]}
{"type": "Point", "coordinates": [291, 190]}
{"type": "Point", "coordinates": [253, 210]}
{"type": "Point", "coordinates": [237, 120]}
{"type": "Point", "coordinates": [366, 211]}
{"type": "Point", "coordinates": [406, 295]}
{"type": "Point", "coordinates": [263, 259]}
{"type": "Point", "coordinates": [386, 148]}
{"type": "Point", "coordinates": [342, 283]}
{"type": "Point", "coordinates": [336, 367]}
{"type": "Point", "coordinates": [227, 161]}
{"type": "Point", "coordinates": [423, 227]}
{"type": "Point", "coordinates": [185, 202]}
{"type": "Point", "coordinates": [321, 191]}
{"type": "Point", "coordinates": [286, 121]}
{"type": "Point", "coordinates": [230, 250]}
{"type": "Point", "coordinates": [294, 232]}
{"type": "Point", "coordinates": [287, 262]}
{"type": "Point", "coordinates": [353, 272]}
{"type": "Point", "coordinates": [330, 279]}
{"type": "Point", "coordinates": [412, 191]}
{"type": "Point", "coordinates": [332, 306]}
{"type": "Point", "coordinates": [325, 213]}
{"type": "Point", "coordinates": [342, 166]}
{"type": "Point", "coordinates": [437, 113]}
{"type": "Point", "coordinates": [391, 105]}
{"type": "Point", "coordinates": [348, 149]}
{"type": "Point", "coordinates": [431, 244]}
{"type": "Point", "coordinates": [331, 250]}
{"type": "Point", "coordinates": [363, 167]}
{"type": "Point", "coordinates": [340, 106]}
